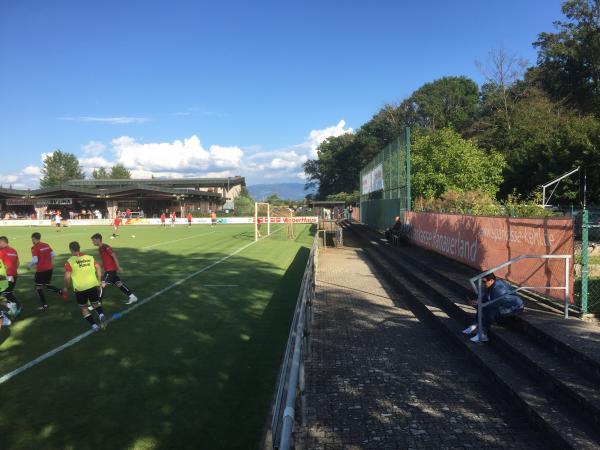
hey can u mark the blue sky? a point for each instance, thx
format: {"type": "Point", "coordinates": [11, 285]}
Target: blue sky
{"type": "Point", "coordinates": [194, 88]}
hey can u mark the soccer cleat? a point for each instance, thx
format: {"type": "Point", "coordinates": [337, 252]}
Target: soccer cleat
{"type": "Point", "coordinates": [95, 327]}
{"type": "Point", "coordinates": [470, 329]}
{"type": "Point", "coordinates": [480, 337]}
{"type": "Point", "coordinates": [132, 299]}
{"type": "Point", "coordinates": [12, 309]}
{"type": "Point", "coordinates": [103, 322]}
{"type": "Point", "coordinates": [43, 308]}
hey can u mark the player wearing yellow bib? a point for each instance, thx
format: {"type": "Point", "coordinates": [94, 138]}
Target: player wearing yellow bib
{"type": "Point", "coordinates": [84, 273]}
{"type": "Point", "coordinates": [4, 320]}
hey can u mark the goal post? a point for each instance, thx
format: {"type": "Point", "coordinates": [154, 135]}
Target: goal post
{"type": "Point", "coordinates": [260, 217]}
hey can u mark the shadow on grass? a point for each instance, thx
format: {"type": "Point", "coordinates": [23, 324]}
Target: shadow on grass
{"type": "Point", "coordinates": [194, 368]}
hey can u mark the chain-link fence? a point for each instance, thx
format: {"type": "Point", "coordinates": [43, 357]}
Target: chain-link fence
{"type": "Point", "coordinates": [385, 184]}
{"type": "Point", "coordinates": [587, 263]}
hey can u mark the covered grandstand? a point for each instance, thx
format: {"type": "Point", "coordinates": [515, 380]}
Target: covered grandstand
{"type": "Point", "coordinates": [148, 197]}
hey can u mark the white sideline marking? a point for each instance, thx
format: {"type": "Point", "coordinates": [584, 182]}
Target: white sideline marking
{"type": "Point", "coordinates": [76, 339]}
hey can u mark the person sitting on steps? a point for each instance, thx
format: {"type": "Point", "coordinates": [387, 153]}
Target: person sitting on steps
{"type": "Point", "coordinates": [509, 304]}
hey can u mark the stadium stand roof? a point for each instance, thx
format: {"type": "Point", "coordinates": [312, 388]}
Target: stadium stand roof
{"type": "Point", "coordinates": [174, 183]}
{"type": "Point", "coordinates": [161, 187]}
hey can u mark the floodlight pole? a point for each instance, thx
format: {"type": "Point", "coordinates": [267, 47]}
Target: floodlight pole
{"type": "Point", "coordinates": [555, 181]}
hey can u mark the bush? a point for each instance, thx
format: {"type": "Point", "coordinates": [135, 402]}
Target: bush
{"type": "Point", "coordinates": [480, 203]}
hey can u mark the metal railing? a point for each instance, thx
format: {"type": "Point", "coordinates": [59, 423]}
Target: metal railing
{"type": "Point", "coordinates": [291, 377]}
{"type": "Point", "coordinates": [476, 284]}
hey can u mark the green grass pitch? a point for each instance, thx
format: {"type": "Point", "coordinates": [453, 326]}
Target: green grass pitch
{"type": "Point", "coordinates": [195, 367]}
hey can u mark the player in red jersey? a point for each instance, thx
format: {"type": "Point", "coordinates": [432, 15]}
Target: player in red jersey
{"type": "Point", "coordinates": [173, 217]}
{"type": "Point", "coordinates": [10, 258]}
{"type": "Point", "coordinates": [41, 258]}
{"type": "Point", "coordinates": [189, 219]}
{"type": "Point", "coordinates": [111, 265]}
{"type": "Point", "coordinates": [163, 218]}
{"type": "Point", "coordinates": [116, 225]}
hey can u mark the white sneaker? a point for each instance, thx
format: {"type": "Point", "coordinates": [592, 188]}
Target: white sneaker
{"type": "Point", "coordinates": [470, 329]}
{"type": "Point", "coordinates": [132, 299]}
{"type": "Point", "coordinates": [103, 322]}
{"type": "Point", "coordinates": [479, 338]}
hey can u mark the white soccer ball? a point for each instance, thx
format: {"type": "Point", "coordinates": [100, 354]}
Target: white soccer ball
{"type": "Point", "coordinates": [112, 237]}
{"type": "Point", "coordinates": [133, 235]}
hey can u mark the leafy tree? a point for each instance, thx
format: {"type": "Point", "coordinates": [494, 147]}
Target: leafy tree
{"type": "Point", "coordinates": [338, 165]}
{"type": "Point", "coordinates": [119, 172]}
{"type": "Point", "coordinates": [499, 93]}
{"type": "Point", "coordinates": [442, 160]}
{"type": "Point", "coordinates": [546, 141]}
{"type": "Point", "coordinates": [100, 174]}
{"type": "Point", "coordinates": [244, 203]}
{"type": "Point", "coordinates": [449, 101]}
{"type": "Point", "coordinates": [350, 198]}
{"type": "Point", "coordinates": [60, 167]}
{"type": "Point", "coordinates": [274, 199]}
{"type": "Point", "coordinates": [569, 60]}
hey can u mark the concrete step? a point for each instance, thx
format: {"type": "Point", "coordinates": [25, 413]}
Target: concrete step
{"type": "Point", "coordinates": [572, 339]}
{"type": "Point", "coordinates": [559, 400]}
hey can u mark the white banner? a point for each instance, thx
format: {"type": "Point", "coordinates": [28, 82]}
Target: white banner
{"type": "Point", "coordinates": [24, 223]}
{"type": "Point", "coordinates": [156, 221]}
{"type": "Point", "coordinates": [373, 180]}
{"type": "Point", "coordinates": [377, 178]}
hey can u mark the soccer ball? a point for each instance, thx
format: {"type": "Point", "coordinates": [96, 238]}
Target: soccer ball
{"type": "Point", "coordinates": [133, 236]}
{"type": "Point", "coordinates": [112, 237]}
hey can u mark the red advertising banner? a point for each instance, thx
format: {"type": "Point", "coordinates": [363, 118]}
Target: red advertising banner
{"type": "Point", "coordinates": [485, 242]}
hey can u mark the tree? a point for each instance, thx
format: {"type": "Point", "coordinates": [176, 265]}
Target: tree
{"type": "Point", "coordinates": [350, 198]}
{"type": "Point", "coordinates": [449, 101]}
{"type": "Point", "coordinates": [60, 167]}
{"type": "Point", "coordinates": [442, 161]}
{"type": "Point", "coordinates": [569, 60]}
{"type": "Point", "coordinates": [119, 172]}
{"type": "Point", "coordinates": [338, 165]}
{"type": "Point", "coordinates": [501, 72]}
{"type": "Point", "coordinates": [244, 203]}
{"type": "Point", "coordinates": [547, 140]}
{"type": "Point", "coordinates": [100, 174]}
{"type": "Point", "coordinates": [274, 199]}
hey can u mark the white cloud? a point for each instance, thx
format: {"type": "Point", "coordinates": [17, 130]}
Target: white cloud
{"type": "Point", "coordinates": [93, 148]}
{"type": "Point", "coordinates": [92, 163]}
{"type": "Point", "coordinates": [110, 120]}
{"type": "Point", "coordinates": [28, 178]}
{"type": "Point", "coordinates": [288, 160]}
{"type": "Point", "coordinates": [170, 156]}
{"type": "Point", "coordinates": [189, 158]}
{"type": "Point", "coordinates": [32, 171]}
{"type": "Point", "coordinates": [226, 156]}
{"type": "Point", "coordinates": [8, 178]}
{"type": "Point", "coordinates": [317, 136]}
